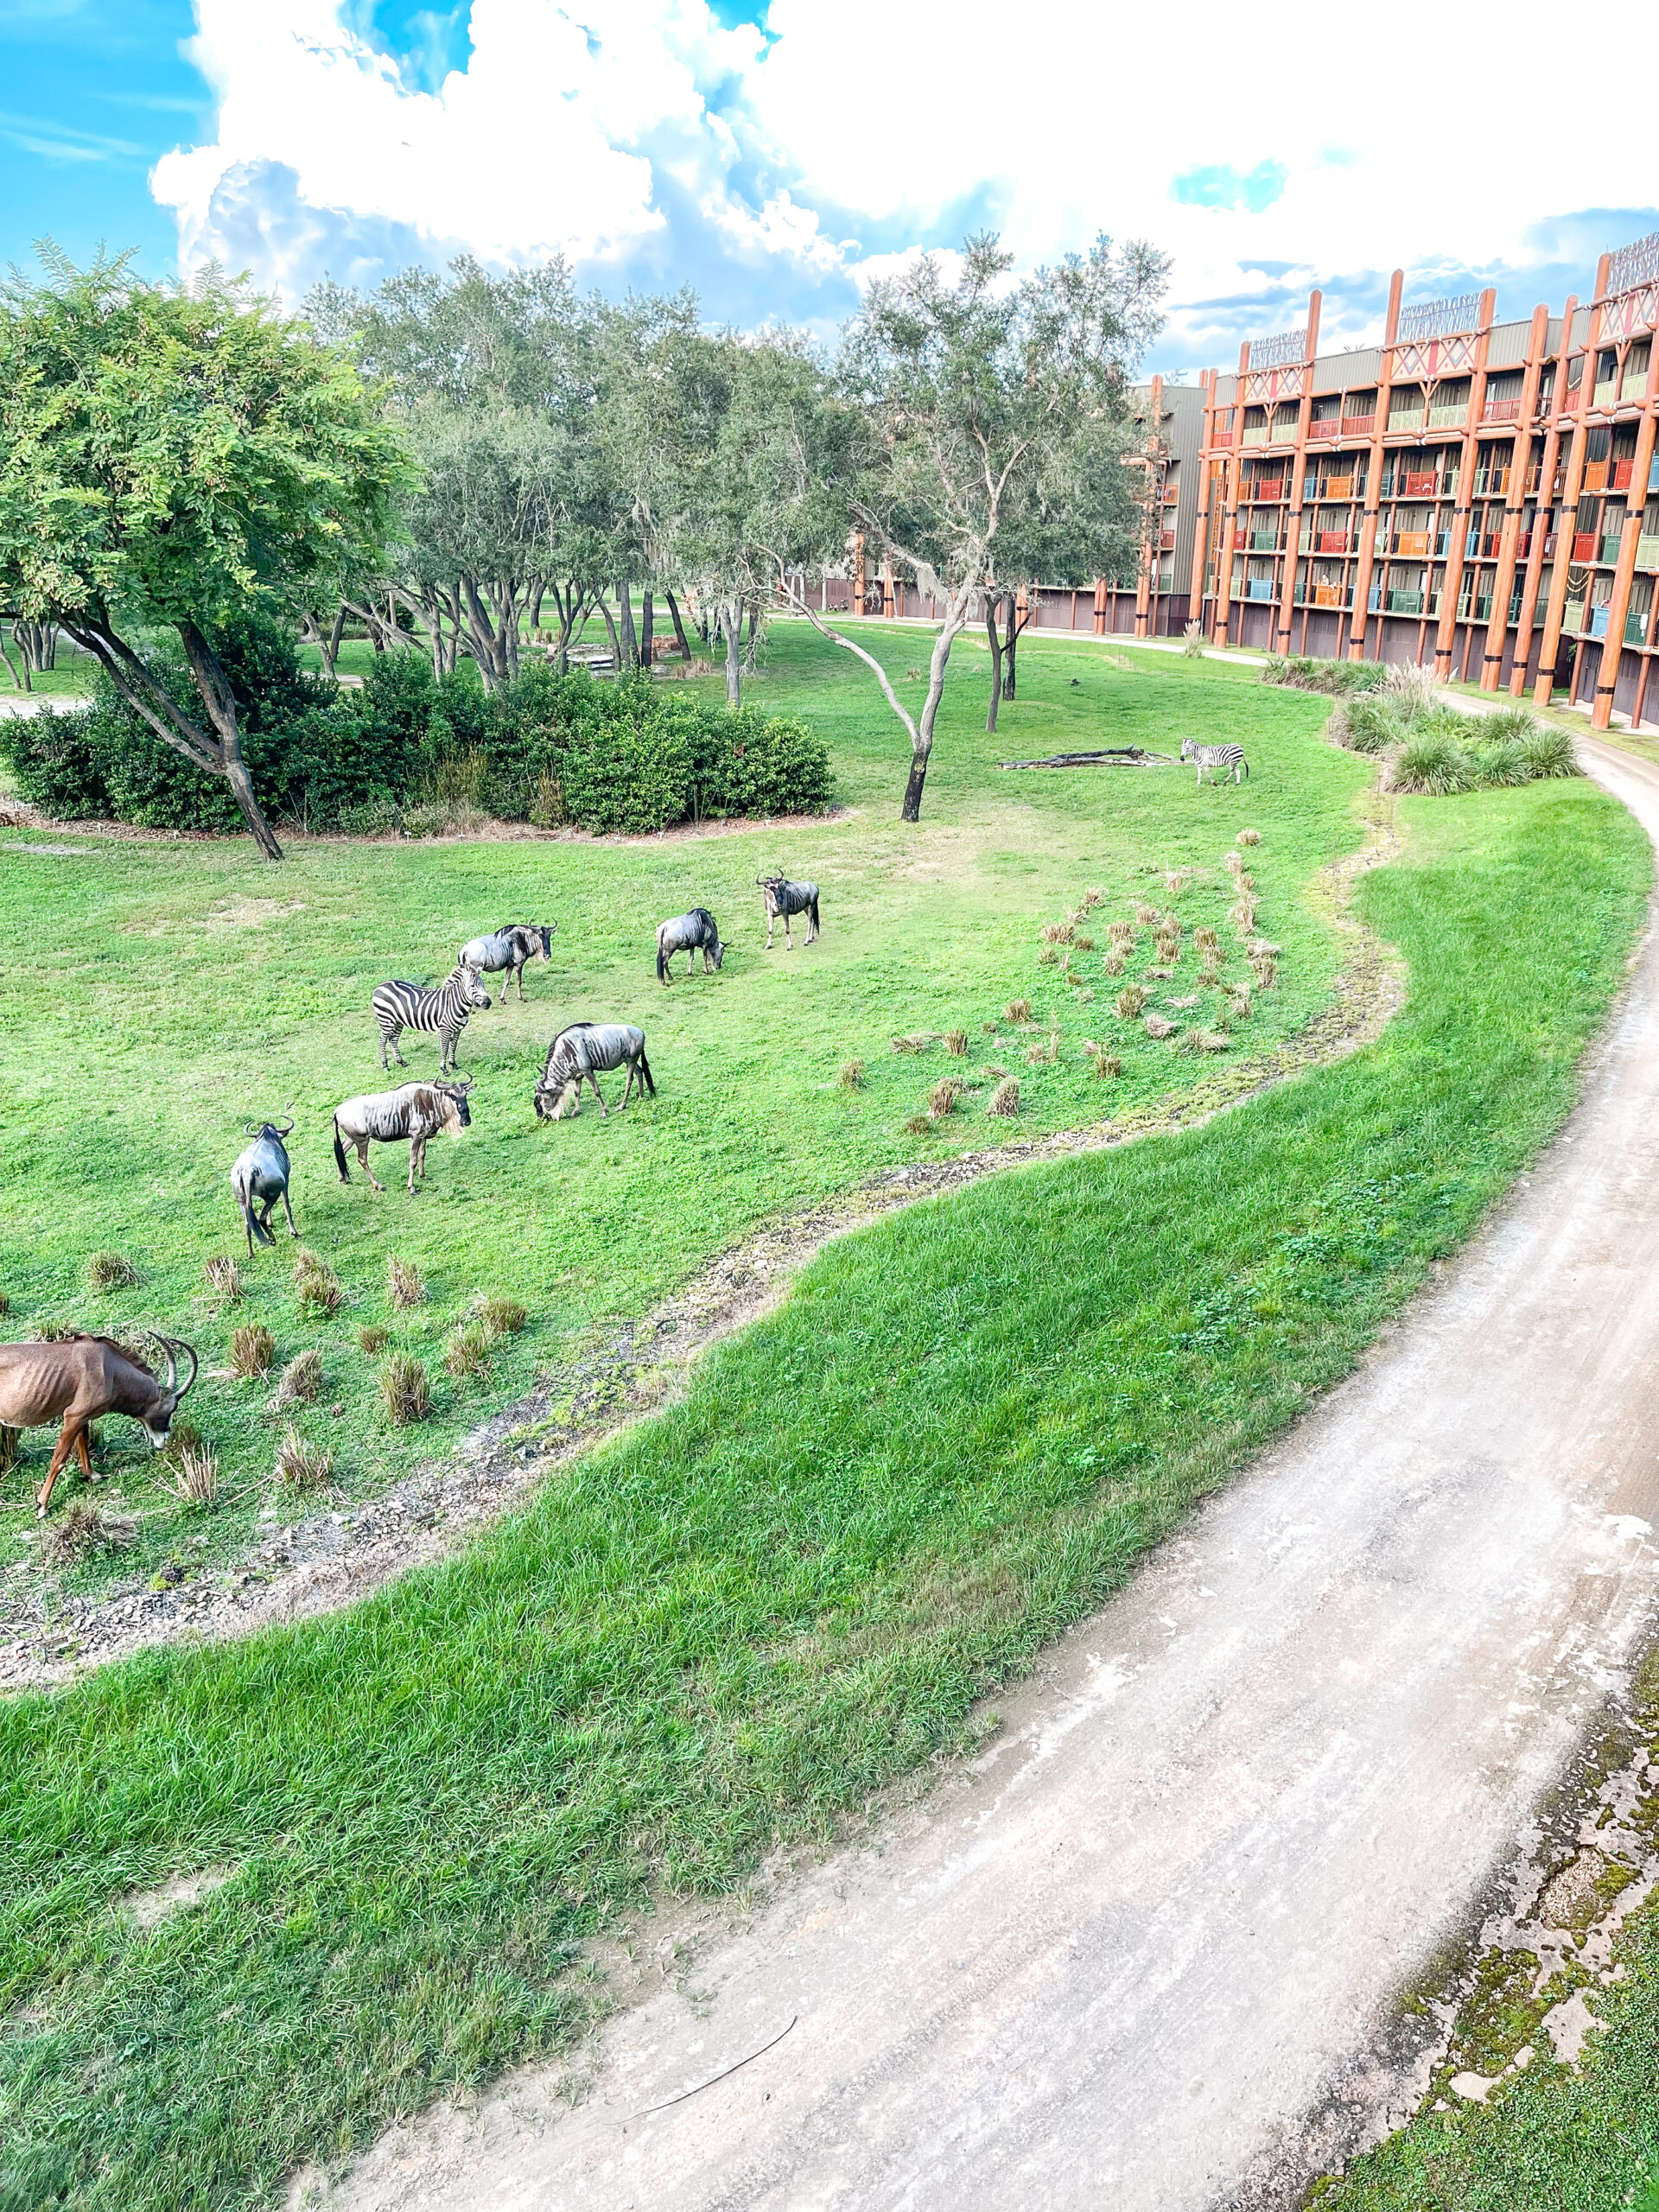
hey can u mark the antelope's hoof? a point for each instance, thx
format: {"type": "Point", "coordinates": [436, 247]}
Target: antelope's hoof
{"type": "Point", "coordinates": [39, 1513]}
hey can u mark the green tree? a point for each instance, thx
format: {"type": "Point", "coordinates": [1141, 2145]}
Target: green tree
{"type": "Point", "coordinates": [992, 405]}
{"type": "Point", "coordinates": [169, 455]}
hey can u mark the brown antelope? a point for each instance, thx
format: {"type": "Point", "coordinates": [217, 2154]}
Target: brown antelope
{"type": "Point", "coordinates": [79, 1379]}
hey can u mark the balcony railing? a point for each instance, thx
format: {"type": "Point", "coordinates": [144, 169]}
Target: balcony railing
{"type": "Point", "coordinates": [1449, 418]}
{"type": "Point", "coordinates": [1172, 494]}
{"type": "Point", "coordinates": [1584, 542]}
{"type": "Point", "coordinates": [1405, 602]}
{"type": "Point", "coordinates": [1573, 615]}
{"type": "Point", "coordinates": [1598, 619]}
{"type": "Point", "coordinates": [1327, 427]}
{"type": "Point", "coordinates": [1635, 385]}
{"type": "Point", "coordinates": [1595, 476]}
{"type": "Point", "coordinates": [1331, 595]}
{"type": "Point", "coordinates": [1258, 587]}
{"type": "Point", "coordinates": [1501, 410]}
{"type": "Point", "coordinates": [1218, 438]}
{"type": "Point", "coordinates": [1647, 551]}
{"type": "Point", "coordinates": [1609, 545]}
{"type": "Point", "coordinates": [1491, 483]}
{"type": "Point", "coordinates": [1420, 484]}
{"type": "Point", "coordinates": [1338, 487]}
{"type": "Point", "coordinates": [1359, 426]}
{"type": "Point", "coordinates": [1636, 626]}
{"type": "Point", "coordinates": [1267, 487]}
{"type": "Point", "coordinates": [1606, 395]}
{"type": "Point", "coordinates": [1264, 541]}
{"type": "Point", "coordinates": [1413, 544]}
{"type": "Point", "coordinates": [1167, 541]}
{"type": "Point", "coordinates": [1331, 541]}
{"type": "Point", "coordinates": [1257, 437]}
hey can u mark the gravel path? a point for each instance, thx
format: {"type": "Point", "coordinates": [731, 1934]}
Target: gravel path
{"type": "Point", "coordinates": [1148, 1951]}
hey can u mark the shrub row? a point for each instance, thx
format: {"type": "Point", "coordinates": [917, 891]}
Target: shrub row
{"type": "Point", "coordinates": [1403, 712]}
{"type": "Point", "coordinates": [1340, 677]}
{"type": "Point", "coordinates": [409, 752]}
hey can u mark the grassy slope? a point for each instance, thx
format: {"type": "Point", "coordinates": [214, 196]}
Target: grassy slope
{"type": "Point", "coordinates": [154, 995]}
{"type": "Point", "coordinates": [960, 1432]}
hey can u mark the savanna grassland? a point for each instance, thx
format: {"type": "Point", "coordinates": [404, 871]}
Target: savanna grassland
{"type": "Point", "coordinates": [155, 995]}
{"type": "Point", "coordinates": [730, 1625]}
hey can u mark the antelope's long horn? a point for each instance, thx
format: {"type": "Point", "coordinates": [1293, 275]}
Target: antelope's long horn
{"type": "Point", "coordinates": [189, 1351]}
{"type": "Point", "coordinates": [166, 1344]}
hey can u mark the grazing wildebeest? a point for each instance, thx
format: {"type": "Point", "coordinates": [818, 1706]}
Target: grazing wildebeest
{"type": "Point", "coordinates": [509, 947]}
{"type": "Point", "coordinates": [260, 1178]}
{"type": "Point", "coordinates": [414, 1110]}
{"type": "Point", "coordinates": [77, 1380]}
{"type": "Point", "coordinates": [1230, 759]}
{"type": "Point", "coordinates": [782, 899]}
{"type": "Point", "coordinates": [584, 1050]}
{"type": "Point", "coordinates": [693, 933]}
{"type": "Point", "coordinates": [398, 1006]}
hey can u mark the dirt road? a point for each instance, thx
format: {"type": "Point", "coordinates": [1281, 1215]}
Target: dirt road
{"type": "Point", "coordinates": [1149, 1953]}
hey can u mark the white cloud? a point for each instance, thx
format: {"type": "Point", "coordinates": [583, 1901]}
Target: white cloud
{"type": "Point", "coordinates": [641, 136]}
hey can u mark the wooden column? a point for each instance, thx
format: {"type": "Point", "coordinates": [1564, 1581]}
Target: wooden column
{"type": "Point", "coordinates": [1550, 645]}
{"type": "Point", "coordinates": [1535, 556]}
{"type": "Point", "coordinates": [1205, 464]}
{"type": "Point", "coordinates": [1491, 662]}
{"type": "Point", "coordinates": [1100, 607]}
{"type": "Point", "coordinates": [1294, 511]}
{"type": "Point", "coordinates": [1612, 649]}
{"type": "Point", "coordinates": [858, 572]}
{"type": "Point", "coordinates": [1358, 619]}
{"type": "Point", "coordinates": [1452, 583]}
{"type": "Point", "coordinates": [1222, 622]}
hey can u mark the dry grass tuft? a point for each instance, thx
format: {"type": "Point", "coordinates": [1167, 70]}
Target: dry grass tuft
{"type": "Point", "coordinates": [918, 1041]}
{"type": "Point", "coordinates": [1176, 880]}
{"type": "Point", "coordinates": [224, 1278]}
{"type": "Point", "coordinates": [1146, 915]}
{"type": "Point", "coordinates": [110, 1271]}
{"type": "Point", "coordinates": [956, 1043]}
{"type": "Point", "coordinates": [252, 1349]}
{"type": "Point", "coordinates": [919, 1125]}
{"type": "Point", "coordinates": [1235, 861]}
{"type": "Point", "coordinates": [1243, 916]}
{"type": "Point", "coordinates": [81, 1529]}
{"type": "Point", "coordinates": [1131, 1002]}
{"type": "Point", "coordinates": [468, 1351]}
{"type": "Point", "coordinates": [1249, 837]}
{"type": "Point", "coordinates": [1105, 1064]}
{"type": "Point", "coordinates": [302, 1382]}
{"type": "Point", "coordinates": [852, 1075]}
{"type": "Point", "coordinates": [374, 1339]}
{"type": "Point", "coordinates": [503, 1317]}
{"type": "Point", "coordinates": [1207, 940]}
{"type": "Point", "coordinates": [1202, 1040]}
{"type": "Point", "coordinates": [404, 1391]}
{"type": "Point", "coordinates": [1091, 899]}
{"type": "Point", "coordinates": [1157, 1025]}
{"type": "Point", "coordinates": [300, 1467]}
{"type": "Point", "coordinates": [5, 1303]}
{"type": "Point", "coordinates": [1017, 1010]}
{"type": "Point", "coordinates": [1059, 932]}
{"type": "Point", "coordinates": [1083, 944]}
{"type": "Point", "coordinates": [1122, 935]}
{"type": "Point", "coordinates": [1114, 963]}
{"type": "Point", "coordinates": [1047, 957]}
{"type": "Point", "coordinates": [1004, 1099]}
{"type": "Point", "coordinates": [315, 1284]}
{"type": "Point", "coordinates": [987, 1028]}
{"type": "Point", "coordinates": [405, 1284]}
{"type": "Point", "coordinates": [194, 1477]}
{"type": "Point", "coordinates": [1266, 972]}
{"type": "Point", "coordinates": [943, 1095]}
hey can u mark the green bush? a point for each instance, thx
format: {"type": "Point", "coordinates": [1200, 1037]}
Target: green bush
{"type": "Point", "coordinates": [1508, 723]}
{"type": "Point", "coordinates": [1339, 677]}
{"type": "Point", "coordinates": [753, 764]}
{"type": "Point", "coordinates": [630, 771]}
{"type": "Point", "coordinates": [1551, 751]}
{"type": "Point", "coordinates": [1432, 761]}
{"type": "Point", "coordinates": [1364, 724]}
{"type": "Point", "coordinates": [1504, 763]}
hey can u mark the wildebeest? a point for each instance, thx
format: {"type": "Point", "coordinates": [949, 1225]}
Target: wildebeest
{"type": "Point", "coordinates": [585, 1050]}
{"type": "Point", "coordinates": [398, 1006]}
{"type": "Point", "coordinates": [508, 947]}
{"type": "Point", "coordinates": [782, 899]}
{"type": "Point", "coordinates": [260, 1178]}
{"type": "Point", "coordinates": [414, 1110]}
{"type": "Point", "coordinates": [690, 934]}
{"type": "Point", "coordinates": [77, 1380]}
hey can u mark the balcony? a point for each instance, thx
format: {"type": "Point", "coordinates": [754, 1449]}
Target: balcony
{"type": "Point", "coordinates": [1491, 483]}
{"type": "Point", "coordinates": [1331, 541]}
{"type": "Point", "coordinates": [1328, 427]}
{"type": "Point", "coordinates": [1606, 395]}
{"type": "Point", "coordinates": [1475, 610]}
{"type": "Point", "coordinates": [1405, 602]}
{"type": "Point", "coordinates": [1359, 426]}
{"type": "Point", "coordinates": [1267, 487]}
{"type": "Point", "coordinates": [1172, 494]}
{"type": "Point", "coordinates": [1598, 619]}
{"type": "Point", "coordinates": [1609, 545]}
{"type": "Point", "coordinates": [1258, 587]}
{"type": "Point", "coordinates": [1647, 551]}
{"type": "Point", "coordinates": [1338, 487]}
{"type": "Point", "coordinates": [1449, 419]}
{"type": "Point", "coordinates": [1413, 544]}
{"type": "Point", "coordinates": [1573, 615]}
{"type": "Point", "coordinates": [1331, 595]}
{"type": "Point", "coordinates": [1420, 484]}
{"type": "Point", "coordinates": [1257, 437]}
{"type": "Point", "coordinates": [1653, 473]}
{"type": "Point", "coordinates": [1635, 385]}
{"type": "Point", "coordinates": [1167, 541]}
{"type": "Point", "coordinates": [1595, 476]}
{"type": "Point", "coordinates": [1501, 410]}
{"type": "Point", "coordinates": [1584, 543]}
{"type": "Point", "coordinates": [1405, 418]}
{"type": "Point", "coordinates": [1636, 626]}
{"type": "Point", "coordinates": [1618, 476]}
{"type": "Point", "coordinates": [1219, 438]}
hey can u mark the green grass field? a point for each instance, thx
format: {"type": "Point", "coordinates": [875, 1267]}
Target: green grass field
{"type": "Point", "coordinates": [960, 1432]}
{"type": "Point", "coordinates": [156, 995]}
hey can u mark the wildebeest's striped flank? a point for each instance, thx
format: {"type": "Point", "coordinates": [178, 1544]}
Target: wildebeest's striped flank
{"type": "Point", "coordinates": [579, 1054]}
{"type": "Point", "coordinates": [782, 899]}
{"type": "Point", "coordinates": [413, 1113]}
{"type": "Point", "coordinates": [401, 1006]}
{"type": "Point", "coordinates": [1230, 759]}
{"type": "Point", "coordinates": [690, 934]}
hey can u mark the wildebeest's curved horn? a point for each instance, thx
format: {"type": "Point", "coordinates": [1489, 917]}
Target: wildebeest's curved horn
{"type": "Point", "coordinates": [165, 1344]}
{"type": "Point", "coordinates": [189, 1351]}
{"type": "Point", "coordinates": [283, 1127]}
{"type": "Point", "coordinates": [251, 1129]}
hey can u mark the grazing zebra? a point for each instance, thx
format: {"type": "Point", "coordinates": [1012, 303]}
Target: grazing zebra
{"type": "Point", "coordinates": [398, 1006]}
{"type": "Point", "coordinates": [415, 1111]}
{"type": "Point", "coordinates": [782, 899]}
{"type": "Point", "coordinates": [690, 934]}
{"type": "Point", "coordinates": [509, 947]}
{"type": "Point", "coordinates": [1228, 758]}
{"type": "Point", "coordinates": [580, 1052]}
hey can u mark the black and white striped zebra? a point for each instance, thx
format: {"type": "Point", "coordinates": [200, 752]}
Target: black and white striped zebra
{"type": "Point", "coordinates": [1230, 759]}
{"type": "Point", "coordinates": [398, 1006]}
{"type": "Point", "coordinates": [580, 1054]}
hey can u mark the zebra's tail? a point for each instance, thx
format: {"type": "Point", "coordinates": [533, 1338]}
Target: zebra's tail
{"type": "Point", "coordinates": [340, 1156]}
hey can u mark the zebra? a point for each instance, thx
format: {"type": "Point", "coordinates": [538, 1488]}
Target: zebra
{"type": "Point", "coordinates": [509, 947]}
{"type": "Point", "coordinates": [781, 899]}
{"type": "Point", "coordinates": [414, 1110]}
{"type": "Point", "coordinates": [1225, 757]}
{"type": "Point", "coordinates": [690, 934]}
{"type": "Point", "coordinates": [398, 1006]}
{"type": "Point", "coordinates": [576, 1054]}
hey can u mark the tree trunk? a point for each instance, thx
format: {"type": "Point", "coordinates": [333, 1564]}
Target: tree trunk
{"type": "Point", "coordinates": [956, 614]}
{"type": "Point", "coordinates": [1014, 626]}
{"type": "Point", "coordinates": [604, 606]}
{"type": "Point", "coordinates": [731, 621]}
{"type": "Point", "coordinates": [992, 632]}
{"type": "Point", "coordinates": [679, 626]}
{"type": "Point", "coordinates": [647, 612]}
{"type": "Point", "coordinates": [19, 681]}
{"type": "Point", "coordinates": [625, 618]}
{"type": "Point", "coordinates": [912, 809]}
{"type": "Point", "coordinates": [220, 700]}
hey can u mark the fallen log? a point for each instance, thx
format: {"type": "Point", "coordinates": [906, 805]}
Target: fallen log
{"type": "Point", "coordinates": [1115, 756]}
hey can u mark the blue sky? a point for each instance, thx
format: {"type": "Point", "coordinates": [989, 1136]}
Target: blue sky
{"type": "Point", "coordinates": [774, 157]}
